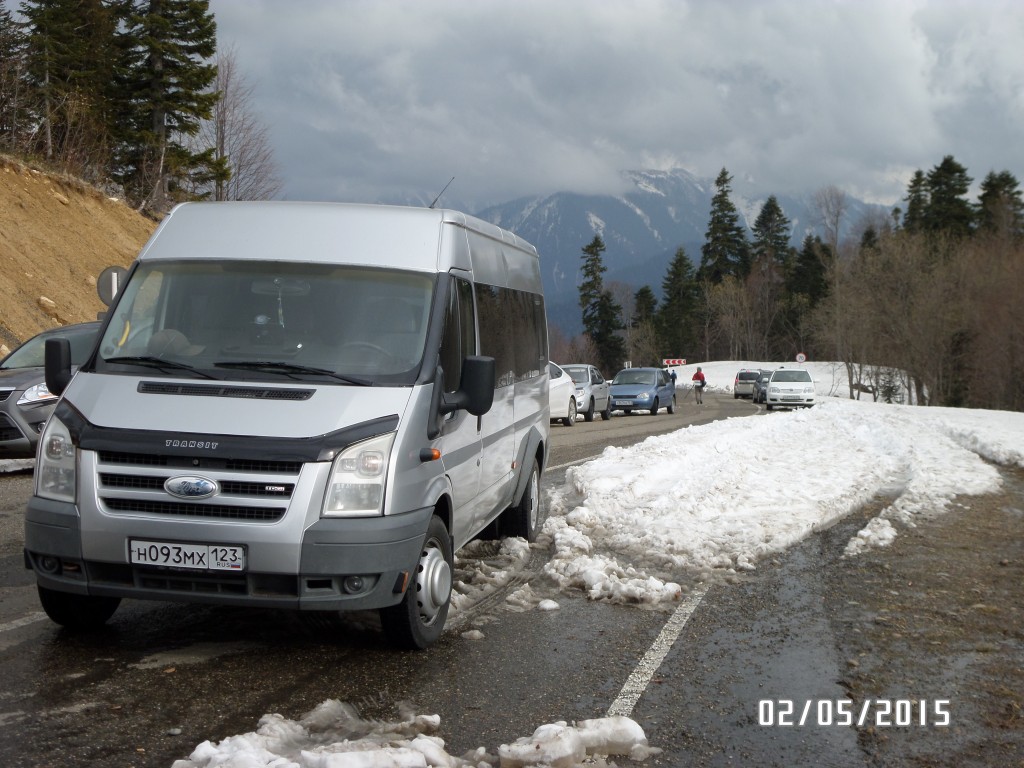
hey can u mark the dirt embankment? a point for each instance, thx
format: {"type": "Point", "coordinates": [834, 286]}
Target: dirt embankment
{"type": "Point", "coordinates": [56, 235]}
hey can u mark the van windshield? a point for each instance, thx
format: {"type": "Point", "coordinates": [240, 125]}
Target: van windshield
{"type": "Point", "coordinates": [268, 321]}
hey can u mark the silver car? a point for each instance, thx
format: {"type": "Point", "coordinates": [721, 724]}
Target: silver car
{"type": "Point", "coordinates": [592, 391]}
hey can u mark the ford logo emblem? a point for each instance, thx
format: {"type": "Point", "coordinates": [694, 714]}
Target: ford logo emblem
{"type": "Point", "coordinates": [191, 487]}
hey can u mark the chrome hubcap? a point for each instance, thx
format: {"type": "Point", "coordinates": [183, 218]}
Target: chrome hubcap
{"type": "Point", "coordinates": [433, 582]}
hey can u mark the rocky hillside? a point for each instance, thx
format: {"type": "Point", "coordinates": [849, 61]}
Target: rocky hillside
{"type": "Point", "coordinates": [56, 236]}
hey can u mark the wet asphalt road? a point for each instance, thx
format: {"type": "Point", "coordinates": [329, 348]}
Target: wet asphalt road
{"type": "Point", "coordinates": [161, 678]}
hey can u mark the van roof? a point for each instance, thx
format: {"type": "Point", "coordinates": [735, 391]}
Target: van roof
{"type": "Point", "coordinates": [313, 232]}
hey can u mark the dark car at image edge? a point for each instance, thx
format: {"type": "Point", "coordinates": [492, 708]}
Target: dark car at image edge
{"type": "Point", "coordinates": [25, 402]}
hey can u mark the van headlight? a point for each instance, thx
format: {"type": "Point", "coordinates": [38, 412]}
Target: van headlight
{"type": "Point", "coordinates": [356, 487]}
{"type": "Point", "coordinates": [56, 463]}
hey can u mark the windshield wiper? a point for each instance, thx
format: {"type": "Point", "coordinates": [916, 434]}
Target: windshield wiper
{"type": "Point", "coordinates": [159, 362]}
{"type": "Point", "coordinates": [289, 369]}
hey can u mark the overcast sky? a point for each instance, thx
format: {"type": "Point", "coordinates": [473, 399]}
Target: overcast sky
{"type": "Point", "coordinates": [372, 100]}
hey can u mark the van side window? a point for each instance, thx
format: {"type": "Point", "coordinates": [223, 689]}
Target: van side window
{"type": "Point", "coordinates": [459, 339]}
{"type": "Point", "coordinates": [513, 331]}
{"type": "Point", "coordinates": [497, 322]}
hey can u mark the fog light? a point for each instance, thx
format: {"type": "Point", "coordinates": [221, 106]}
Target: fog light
{"type": "Point", "coordinates": [353, 584]}
{"type": "Point", "coordinates": [48, 564]}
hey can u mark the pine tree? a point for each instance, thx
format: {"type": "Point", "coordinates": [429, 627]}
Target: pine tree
{"type": "Point", "coordinates": [917, 203]}
{"type": "Point", "coordinates": [677, 317]}
{"type": "Point", "coordinates": [592, 285]}
{"type": "Point", "coordinates": [600, 312]}
{"type": "Point", "coordinates": [646, 305]}
{"type": "Point", "coordinates": [725, 251]}
{"type": "Point", "coordinates": [771, 235]}
{"type": "Point", "coordinates": [69, 71]}
{"type": "Point", "coordinates": [808, 276]}
{"type": "Point", "coordinates": [611, 349]}
{"type": "Point", "coordinates": [948, 209]}
{"type": "Point", "coordinates": [12, 67]}
{"type": "Point", "coordinates": [1000, 207]}
{"type": "Point", "coordinates": [165, 78]}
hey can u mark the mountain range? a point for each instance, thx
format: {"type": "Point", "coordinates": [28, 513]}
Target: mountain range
{"type": "Point", "coordinates": [659, 212]}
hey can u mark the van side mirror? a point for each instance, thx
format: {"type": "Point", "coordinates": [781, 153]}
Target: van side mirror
{"type": "Point", "coordinates": [476, 395]}
{"type": "Point", "coordinates": [57, 359]}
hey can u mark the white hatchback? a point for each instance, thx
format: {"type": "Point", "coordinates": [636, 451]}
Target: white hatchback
{"type": "Point", "coordinates": [790, 388]}
{"type": "Point", "coordinates": [561, 395]}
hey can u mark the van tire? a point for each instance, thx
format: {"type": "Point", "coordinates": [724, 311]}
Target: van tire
{"type": "Point", "coordinates": [523, 520]}
{"type": "Point", "coordinates": [77, 612]}
{"type": "Point", "coordinates": [417, 622]}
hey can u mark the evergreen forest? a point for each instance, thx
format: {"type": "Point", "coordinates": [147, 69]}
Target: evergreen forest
{"type": "Point", "coordinates": [926, 300]}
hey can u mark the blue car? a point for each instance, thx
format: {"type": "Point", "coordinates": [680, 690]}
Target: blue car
{"type": "Point", "coordinates": [643, 389]}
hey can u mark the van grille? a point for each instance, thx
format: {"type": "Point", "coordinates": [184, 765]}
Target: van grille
{"type": "Point", "coordinates": [193, 509]}
{"type": "Point", "coordinates": [188, 463]}
{"type": "Point", "coordinates": [252, 490]}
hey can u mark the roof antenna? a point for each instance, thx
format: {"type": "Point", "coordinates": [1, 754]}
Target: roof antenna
{"type": "Point", "coordinates": [441, 192]}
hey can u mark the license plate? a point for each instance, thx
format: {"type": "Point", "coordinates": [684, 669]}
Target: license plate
{"type": "Point", "coordinates": [202, 557]}
{"type": "Point", "coordinates": [623, 402]}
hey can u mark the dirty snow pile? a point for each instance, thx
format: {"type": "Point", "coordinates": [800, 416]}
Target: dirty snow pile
{"type": "Point", "coordinates": [334, 736]}
{"type": "Point", "coordinates": [718, 497]}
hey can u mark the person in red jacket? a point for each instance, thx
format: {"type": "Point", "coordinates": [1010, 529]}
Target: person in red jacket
{"type": "Point", "coordinates": [698, 386]}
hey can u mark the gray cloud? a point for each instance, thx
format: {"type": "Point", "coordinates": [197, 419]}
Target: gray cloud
{"type": "Point", "coordinates": [370, 100]}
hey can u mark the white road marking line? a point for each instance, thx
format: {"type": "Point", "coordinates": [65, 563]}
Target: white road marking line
{"type": "Point", "coordinates": [24, 621]}
{"type": "Point", "coordinates": [570, 463]}
{"type": "Point", "coordinates": [637, 683]}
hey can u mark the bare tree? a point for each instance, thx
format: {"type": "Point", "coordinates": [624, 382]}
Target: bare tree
{"type": "Point", "coordinates": [830, 204]}
{"type": "Point", "coordinates": [238, 138]}
{"type": "Point", "coordinates": [730, 304]}
{"type": "Point", "coordinates": [623, 295]}
{"type": "Point", "coordinates": [644, 348]}
{"type": "Point", "coordinates": [582, 349]}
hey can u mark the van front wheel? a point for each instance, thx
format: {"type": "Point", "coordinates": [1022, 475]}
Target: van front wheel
{"type": "Point", "coordinates": [77, 612]}
{"type": "Point", "coordinates": [416, 622]}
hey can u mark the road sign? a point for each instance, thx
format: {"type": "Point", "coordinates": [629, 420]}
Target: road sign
{"type": "Point", "coordinates": [674, 361]}
{"type": "Point", "coordinates": [801, 357]}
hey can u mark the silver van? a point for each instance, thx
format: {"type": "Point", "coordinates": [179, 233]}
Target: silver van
{"type": "Point", "coordinates": [296, 405]}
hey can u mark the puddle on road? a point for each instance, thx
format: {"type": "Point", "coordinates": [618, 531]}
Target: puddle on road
{"type": "Point", "coordinates": [193, 654]}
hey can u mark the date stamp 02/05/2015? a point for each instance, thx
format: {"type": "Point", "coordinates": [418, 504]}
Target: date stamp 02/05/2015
{"type": "Point", "coordinates": [877, 713]}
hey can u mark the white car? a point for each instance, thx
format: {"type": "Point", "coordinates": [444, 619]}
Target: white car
{"type": "Point", "coordinates": [561, 396]}
{"type": "Point", "coordinates": [790, 388]}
